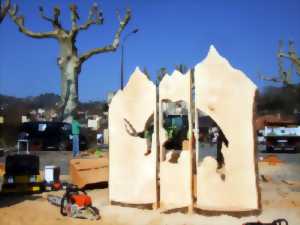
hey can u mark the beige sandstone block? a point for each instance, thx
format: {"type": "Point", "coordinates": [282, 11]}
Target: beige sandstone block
{"type": "Point", "coordinates": [132, 175]}
{"type": "Point", "coordinates": [227, 95]}
{"type": "Point", "coordinates": [175, 178]}
{"type": "Point", "coordinates": [223, 93]}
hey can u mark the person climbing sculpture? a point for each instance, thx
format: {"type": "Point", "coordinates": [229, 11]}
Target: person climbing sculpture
{"type": "Point", "coordinates": [220, 140]}
{"type": "Point", "coordinates": [146, 133]}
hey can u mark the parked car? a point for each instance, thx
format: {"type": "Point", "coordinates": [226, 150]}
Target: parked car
{"type": "Point", "coordinates": [50, 136]}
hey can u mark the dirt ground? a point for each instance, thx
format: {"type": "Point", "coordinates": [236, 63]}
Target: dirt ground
{"type": "Point", "coordinates": [280, 197]}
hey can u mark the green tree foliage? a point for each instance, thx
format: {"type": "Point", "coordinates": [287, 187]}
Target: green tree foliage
{"type": "Point", "coordinates": [284, 100]}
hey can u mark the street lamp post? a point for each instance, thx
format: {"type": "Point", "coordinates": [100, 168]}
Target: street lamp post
{"type": "Point", "coordinates": [122, 55]}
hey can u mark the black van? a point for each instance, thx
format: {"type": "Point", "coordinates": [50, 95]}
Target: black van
{"type": "Point", "coordinates": [49, 136]}
{"type": "Point", "coordinates": [22, 174]}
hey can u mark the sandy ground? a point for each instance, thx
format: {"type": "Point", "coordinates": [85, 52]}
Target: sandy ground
{"type": "Point", "coordinates": [280, 191]}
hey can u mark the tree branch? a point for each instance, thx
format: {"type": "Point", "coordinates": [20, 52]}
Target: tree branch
{"type": "Point", "coordinates": [4, 9]}
{"type": "Point", "coordinates": [284, 55]}
{"type": "Point", "coordinates": [19, 21]}
{"type": "Point", "coordinates": [55, 20]}
{"type": "Point", "coordinates": [41, 9]}
{"type": "Point", "coordinates": [292, 56]}
{"type": "Point", "coordinates": [74, 16]}
{"type": "Point", "coordinates": [86, 25]}
{"type": "Point", "coordinates": [95, 18]}
{"type": "Point", "coordinates": [56, 15]}
{"type": "Point", "coordinates": [281, 79]}
{"type": "Point", "coordinates": [115, 43]}
{"type": "Point", "coordinates": [296, 63]}
{"type": "Point", "coordinates": [268, 78]}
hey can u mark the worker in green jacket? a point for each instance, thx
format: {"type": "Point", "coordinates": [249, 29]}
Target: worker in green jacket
{"type": "Point", "coordinates": [75, 135]}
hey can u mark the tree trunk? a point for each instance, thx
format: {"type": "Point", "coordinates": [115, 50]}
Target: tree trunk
{"type": "Point", "coordinates": [70, 69]}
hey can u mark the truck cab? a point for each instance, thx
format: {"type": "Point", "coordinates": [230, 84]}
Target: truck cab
{"type": "Point", "coordinates": [282, 137]}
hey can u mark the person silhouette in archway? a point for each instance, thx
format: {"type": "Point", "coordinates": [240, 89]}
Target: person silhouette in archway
{"type": "Point", "coordinates": [220, 140]}
{"type": "Point", "coordinates": [146, 133]}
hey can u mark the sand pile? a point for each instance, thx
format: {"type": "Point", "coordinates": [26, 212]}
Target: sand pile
{"type": "Point", "coordinates": [272, 160]}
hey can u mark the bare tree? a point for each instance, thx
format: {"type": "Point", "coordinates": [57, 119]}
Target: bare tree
{"type": "Point", "coordinates": [4, 9]}
{"type": "Point", "coordinates": [69, 60]}
{"type": "Point", "coordinates": [292, 56]}
{"type": "Point", "coordinates": [284, 76]}
{"type": "Point", "coordinates": [160, 74]}
{"type": "Point", "coordinates": [146, 72]}
{"type": "Point", "coordinates": [181, 68]}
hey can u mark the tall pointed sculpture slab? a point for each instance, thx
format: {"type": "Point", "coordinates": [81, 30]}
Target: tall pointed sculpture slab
{"type": "Point", "coordinates": [132, 175]}
{"type": "Point", "coordinates": [228, 97]}
{"type": "Point", "coordinates": [175, 177]}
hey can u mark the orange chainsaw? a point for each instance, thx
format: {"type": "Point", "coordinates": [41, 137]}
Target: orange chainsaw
{"type": "Point", "coordinates": [75, 203]}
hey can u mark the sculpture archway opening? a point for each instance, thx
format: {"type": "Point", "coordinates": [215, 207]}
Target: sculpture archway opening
{"type": "Point", "coordinates": [175, 126]}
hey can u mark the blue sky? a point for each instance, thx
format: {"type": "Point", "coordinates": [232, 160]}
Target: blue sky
{"type": "Point", "coordinates": [171, 32]}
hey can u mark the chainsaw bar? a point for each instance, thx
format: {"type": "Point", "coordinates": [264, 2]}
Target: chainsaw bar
{"type": "Point", "coordinates": [72, 210]}
{"type": "Point", "coordinates": [54, 200]}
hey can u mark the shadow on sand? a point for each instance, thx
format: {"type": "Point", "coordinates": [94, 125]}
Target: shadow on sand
{"type": "Point", "coordinates": [279, 151]}
{"type": "Point", "coordinates": [7, 200]}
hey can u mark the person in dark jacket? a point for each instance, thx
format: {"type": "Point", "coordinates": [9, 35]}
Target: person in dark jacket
{"type": "Point", "coordinates": [220, 140]}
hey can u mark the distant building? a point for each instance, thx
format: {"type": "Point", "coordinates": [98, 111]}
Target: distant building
{"type": "Point", "coordinates": [33, 112]}
{"type": "Point", "coordinates": [174, 108]}
{"type": "Point", "coordinates": [25, 119]}
{"type": "Point", "coordinates": [43, 115]}
{"type": "Point", "coordinates": [51, 115]}
{"type": "Point", "coordinates": [94, 122]}
{"type": "Point", "coordinates": [261, 121]}
{"type": "Point", "coordinates": [41, 111]}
